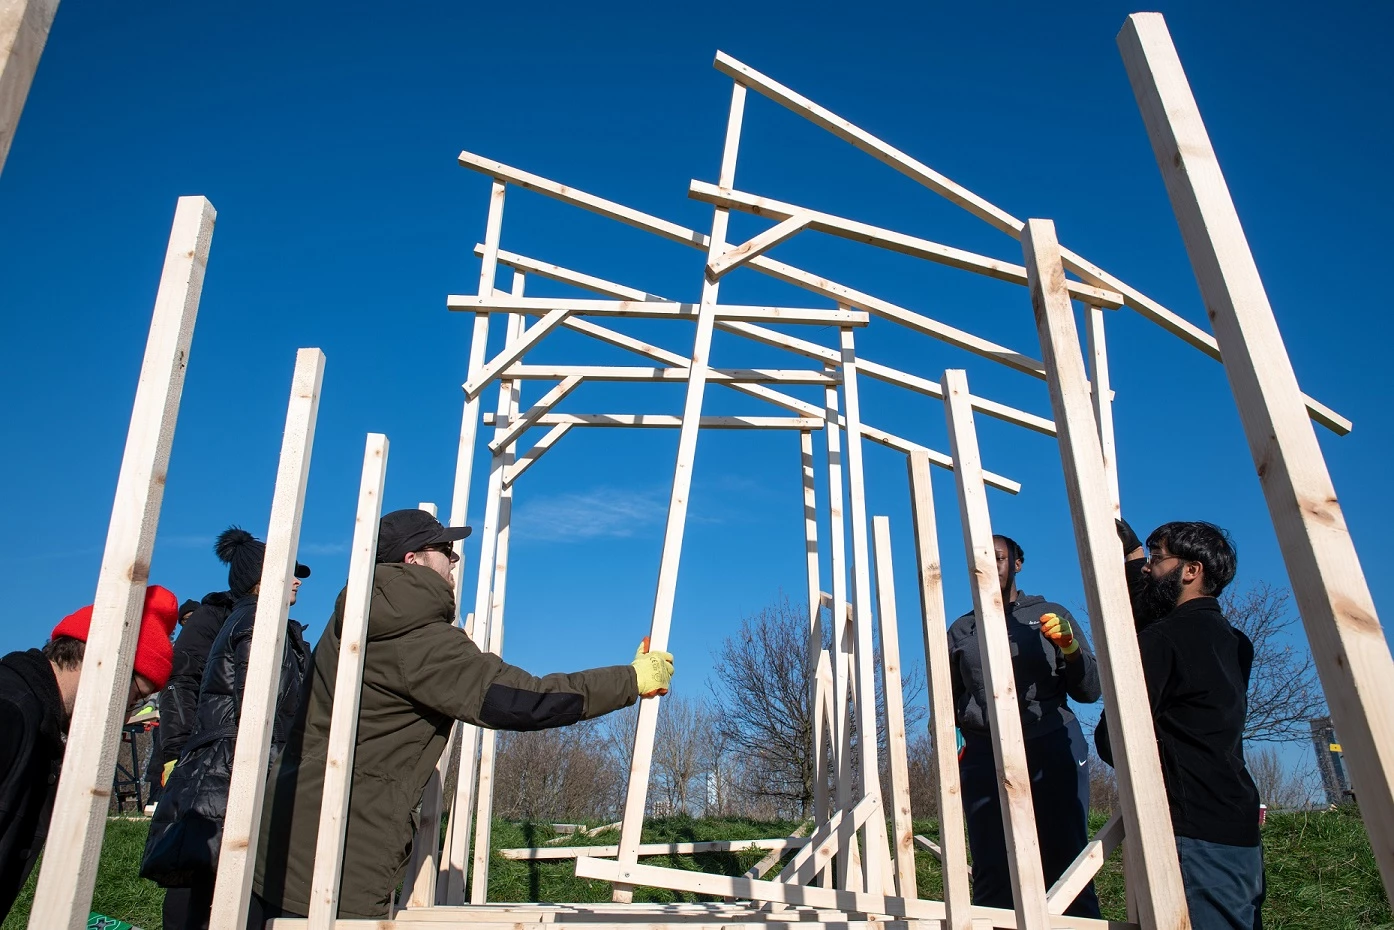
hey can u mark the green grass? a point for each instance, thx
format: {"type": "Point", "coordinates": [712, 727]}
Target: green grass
{"type": "Point", "coordinates": [1321, 872]}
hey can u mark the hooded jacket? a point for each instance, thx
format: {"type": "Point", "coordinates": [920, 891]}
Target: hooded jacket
{"type": "Point", "coordinates": [1044, 677]}
{"type": "Point", "coordinates": [179, 699]}
{"type": "Point", "coordinates": [33, 727]}
{"type": "Point", "coordinates": [420, 673]}
{"type": "Point", "coordinates": [187, 827]}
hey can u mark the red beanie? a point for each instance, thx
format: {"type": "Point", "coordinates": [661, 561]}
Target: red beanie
{"type": "Point", "coordinates": [154, 651]}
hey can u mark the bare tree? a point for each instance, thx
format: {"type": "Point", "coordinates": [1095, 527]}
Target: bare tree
{"type": "Point", "coordinates": [682, 754]}
{"type": "Point", "coordinates": [1284, 693]}
{"type": "Point", "coordinates": [924, 776]}
{"type": "Point", "coordinates": [567, 773]}
{"type": "Point", "coordinates": [1279, 786]}
{"type": "Point", "coordinates": [1103, 785]}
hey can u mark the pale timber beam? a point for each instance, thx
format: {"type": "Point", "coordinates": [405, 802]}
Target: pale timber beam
{"type": "Point", "coordinates": [69, 872]}
{"type": "Point", "coordinates": [917, 171]}
{"type": "Point", "coordinates": [1102, 397]}
{"type": "Point", "coordinates": [929, 573]}
{"type": "Point", "coordinates": [1141, 791]}
{"type": "Point", "coordinates": [24, 26]}
{"type": "Point", "coordinates": [1333, 597]}
{"type": "Point", "coordinates": [903, 842]}
{"type": "Point", "coordinates": [1086, 865]}
{"type": "Point", "coordinates": [532, 853]}
{"type": "Point", "coordinates": [667, 421]}
{"type": "Point", "coordinates": [840, 609]}
{"type": "Point", "coordinates": [543, 405]}
{"type": "Point", "coordinates": [888, 239]}
{"type": "Point", "coordinates": [539, 448]}
{"type": "Point", "coordinates": [515, 350]}
{"type": "Point", "coordinates": [348, 689]}
{"type": "Point", "coordinates": [814, 654]}
{"type": "Point", "coordinates": [649, 309]}
{"type": "Point", "coordinates": [637, 790]}
{"type": "Point", "coordinates": [739, 255]}
{"type": "Point", "coordinates": [1013, 777]}
{"type": "Point", "coordinates": [764, 264]}
{"type": "Point", "coordinates": [634, 373]}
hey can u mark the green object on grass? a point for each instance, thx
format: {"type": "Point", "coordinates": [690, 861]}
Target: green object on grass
{"type": "Point", "coordinates": [97, 921]}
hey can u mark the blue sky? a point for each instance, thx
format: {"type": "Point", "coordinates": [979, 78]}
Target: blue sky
{"type": "Point", "coordinates": [326, 136]}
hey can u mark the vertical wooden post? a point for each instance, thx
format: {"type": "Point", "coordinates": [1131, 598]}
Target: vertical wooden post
{"type": "Point", "coordinates": [1008, 747]}
{"type": "Point", "coordinates": [69, 871]}
{"type": "Point", "coordinates": [1141, 791]}
{"type": "Point", "coordinates": [958, 902]}
{"type": "Point", "coordinates": [348, 690]}
{"type": "Point", "coordinates": [1103, 399]}
{"type": "Point", "coordinates": [242, 821]}
{"type": "Point", "coordinates": [904, 840]}
{"type": "Point", "coordinates": [502, 461]}
{"type": "Point", "coordinates": [637, 792]}
{"type": "Point", "coordinates": [815, 629]}
{"type": "Point", "coordinates": [24, 26]}
{"type": "Point", "coordinates": [841, 761]}
{"type": "Point", "coordinates": [875, 831]}
{"type": "Point", "coordinates": [1333, 598]}
{"type": "Point", "coordinates": [462, 811]}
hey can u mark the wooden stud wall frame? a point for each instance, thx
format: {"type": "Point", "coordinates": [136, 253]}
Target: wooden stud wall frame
{"type": "Point", "coordinates": [846, 866]}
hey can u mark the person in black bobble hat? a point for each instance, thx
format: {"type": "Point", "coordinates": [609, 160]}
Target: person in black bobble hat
{"type": "Point", "coordinates": [181, 851]}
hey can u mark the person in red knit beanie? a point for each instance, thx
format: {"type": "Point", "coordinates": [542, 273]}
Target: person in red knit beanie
{"type": "Point", "coordinates": [38, 690]}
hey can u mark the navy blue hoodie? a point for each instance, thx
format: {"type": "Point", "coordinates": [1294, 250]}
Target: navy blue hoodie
{"type": "Point", "coordinates": [1044, 678]}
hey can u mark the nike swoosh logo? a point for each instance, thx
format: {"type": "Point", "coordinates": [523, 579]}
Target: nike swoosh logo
{"type": "Point", "coordinates": [1084, 763]}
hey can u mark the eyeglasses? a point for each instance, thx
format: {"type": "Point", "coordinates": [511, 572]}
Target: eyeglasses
{"type": "Point", "coordinates": [445, 549]}
{"type": "Point", "coordinates": [1157, 558]}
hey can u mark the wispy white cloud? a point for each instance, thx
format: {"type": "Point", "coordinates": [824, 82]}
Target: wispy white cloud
{"type": "Point", "coordinates": [595, 514]}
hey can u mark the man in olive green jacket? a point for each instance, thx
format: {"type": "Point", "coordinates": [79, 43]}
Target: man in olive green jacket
{"type": "Point", "coordinates": [420, 673]}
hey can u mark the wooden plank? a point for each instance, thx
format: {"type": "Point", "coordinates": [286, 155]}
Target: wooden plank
{"type": "Point", "coordinates": [539, 448]}
{"type": "Point", "coordinates": [1086, 865]}
{"type": "Point", "coordinates": [24, 26]}
{"type": "Point", "coordinates": [544, 404]}
{"type": "Point", "coordinates": [629, 373]}
{"type": "Point", "coordinates": [833, 835]}
{"type": "Point", "coordinates": [993, 215]}
{"type": "Point", "coordinates": [875, 832]}
{"type": "Point", "coordinates": [637, 791]}
{"type": "Point", "coordinates": [69, 871]}
{"type": "Point", "coordinates": [726, 886]}
{"type": "Point", "coordinates": [841, 615]}
{"type": "Point", "coordinates": [1333, 597]}
{"type": "Point", "coordinates": [903, 842]}
{"type": "Point", "coordinates": [782, 844]}
{"type": "Point", "coordinates": [888, 239]}
{"type": "Point", "coordinates": [737, 256]}
{"type": "Point", "coordinates": [667, 421]}
{"type": "Point", "coordinates": [815, 626]}
{"type": "Point", "coordinates": [348, 688]}
{"type": "Point", "coordinates": [1014, 781]}
{"type": "Point", "coordinates": [647, 309]}
{"type": "Point", "coordinates": [942, 729]}
{"type": "Point", "coordinates": [509, 392]}
{"type": "Point", "coordinates": [1140, 787]}
{"type": "Point", "coordinates": [1102, 396]}
{"type": "Point", "coordinates": [771, 859]}
{"type": "Point", "coordinates": [515, 350]}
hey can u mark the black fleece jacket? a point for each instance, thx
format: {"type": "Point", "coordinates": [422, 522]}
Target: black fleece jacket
{"type": "Point", "coordinates": [1044, 677]}
{"type": "Point", "coordinates": [33, 727]}
{"type": "Point", "coordinates": [1197, 669]}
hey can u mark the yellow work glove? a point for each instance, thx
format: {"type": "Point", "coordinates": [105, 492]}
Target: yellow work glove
{"type": "Point", "coordinates": [655, 670]}
{"type": "Point", "coordinates": [1057, 629]}
{"type": "Point", "coordinates": [164, 773]}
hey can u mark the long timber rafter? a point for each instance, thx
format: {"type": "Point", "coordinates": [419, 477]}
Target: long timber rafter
{"type": "Point", "coordinates": [852, 864]}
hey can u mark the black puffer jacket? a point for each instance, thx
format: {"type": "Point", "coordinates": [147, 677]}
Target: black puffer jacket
{"type": "Point", "coordinates": [32, 728]}
{"type": "Point", "coordinates": [187, 827]}
{"type": "Point", "coordinates": [179, 699]}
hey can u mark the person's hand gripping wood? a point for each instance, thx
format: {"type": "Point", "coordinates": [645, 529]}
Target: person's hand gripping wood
{"type": "Point", "coordinates": [654, 669]}
{"type": "Point", "coordinates": [1058, 630]}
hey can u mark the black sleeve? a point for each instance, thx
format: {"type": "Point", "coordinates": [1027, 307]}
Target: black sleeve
{"type": "Point", "coordinates": [1082, 675]}
{"type": "Point", "coordinates": [1101, 743]}
{"type": "Point", "coordinates": [179, 700]}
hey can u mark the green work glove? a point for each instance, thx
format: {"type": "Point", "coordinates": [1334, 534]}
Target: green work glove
{"type": "Point", "coordinates": [654, 669]}
{"type": "Point", "coordinates": [1057, 629]}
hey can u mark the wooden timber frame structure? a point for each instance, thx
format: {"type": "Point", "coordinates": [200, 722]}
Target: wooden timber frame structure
{"type": "Point", "coordinates": [855, 868]}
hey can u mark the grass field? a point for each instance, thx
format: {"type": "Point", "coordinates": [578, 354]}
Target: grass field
{"type": "Point", "coordinates": [1321, 873]}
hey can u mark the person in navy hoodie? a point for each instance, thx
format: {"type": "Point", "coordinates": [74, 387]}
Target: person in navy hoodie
{"type": "Point", "coordinates": [1052, 663]}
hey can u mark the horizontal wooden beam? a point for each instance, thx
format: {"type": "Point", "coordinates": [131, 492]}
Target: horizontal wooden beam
{"type": "Point", "coordinates": [666, 421]}
{"type": "Point", "coordinates": [655, 849]}
{"type": "Point", "coordinates": [652, 309]}
{"type": "Point", "coordinates": [889, 239]}
{"type": "Point", "coordinates": [631, 373]}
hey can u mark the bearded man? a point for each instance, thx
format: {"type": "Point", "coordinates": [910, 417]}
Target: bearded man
{"type": "Point", "coordinates": [1197, 670]}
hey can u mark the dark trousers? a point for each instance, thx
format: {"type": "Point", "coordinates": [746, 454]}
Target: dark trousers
{"type": "Point", "coordinates": [189, 908]}
{"type": "Point", "coordinates": [1224, 884]}
{"type": "Point", "coordinates": [1058, 763]}
{"type": "Point", "coordinates": [259, 912]}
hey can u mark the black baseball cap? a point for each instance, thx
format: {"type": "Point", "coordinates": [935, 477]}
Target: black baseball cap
{"type": "Point", "coordinates": [403, 531]}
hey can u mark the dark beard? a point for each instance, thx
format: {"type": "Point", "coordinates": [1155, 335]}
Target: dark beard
{"type": "Point", "coordinates": [1161, 592]}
